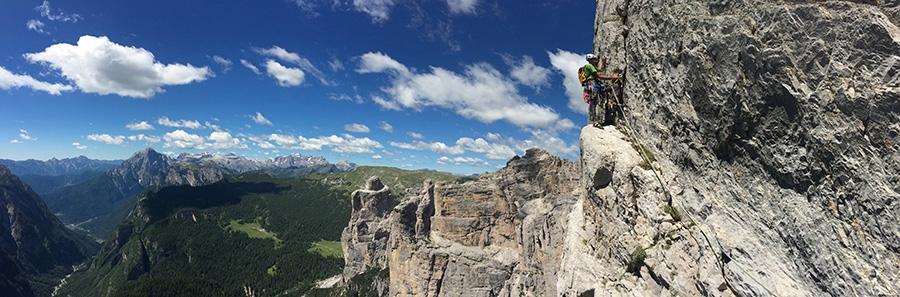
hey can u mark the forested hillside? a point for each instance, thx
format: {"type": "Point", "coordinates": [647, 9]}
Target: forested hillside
{"type": "Point", "coordinates": [250, 234]}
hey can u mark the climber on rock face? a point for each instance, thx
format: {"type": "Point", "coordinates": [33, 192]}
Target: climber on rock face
{"type": "Point", "coordinates": [593, 77]}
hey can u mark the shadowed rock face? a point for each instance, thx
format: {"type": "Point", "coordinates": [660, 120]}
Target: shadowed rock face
{"type": "Point", "coordinates": [33, 242]}
{"type": "Point", "coordinates": [775, 128]}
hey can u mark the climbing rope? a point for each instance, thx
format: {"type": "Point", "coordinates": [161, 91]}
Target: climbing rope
{"type": "Point", "coordinates": [635, 140]}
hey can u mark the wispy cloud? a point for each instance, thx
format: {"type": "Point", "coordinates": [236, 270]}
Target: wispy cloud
{"type": "Point", "coordinates": [345, 97]}
{"type": "Point", "coordinates": [358, 128]}
{"type": "Point", "coordinates": [250, 66]}
{"type": "Point", "coordinates": [108, 139]}
{"type": "Point", "coordinates": [165, 121]}
{"type": "Point", "coordinates": [59, 16]}
{"type": "Point", "coordinates": [294, 58]}
{"type": "Point", "coordinates": [97, 65]}
{"type": "Point", "coordinates": [462, 6]}
{"type": "Point", "coordinates": [281, 54]}
{"type": "Point", "coordinates": [415, 135]}
{"type": "Point", "coordinates": [148, 139]}
{"type": "Point", "coordinates": [308, 6]}
{"type": "Point", "coordinates": [444, 160]}
{"type": "Point", "coordinates": [437, 147]}
{"type": "Point", "coordinates": [225, 63]}
{"type": "Point", "coordinates": [335, 64]}
{"type": "Point", "coordinates": [261, 142]}
{"type": "Point", "coordinates": [386, 127]}
{"type": "Point", "coordinates": [143, 125]}
{"type": "Point", "coordinates": [493, 146]}
{"type": "Point", "coordinates": [25, 136]}
{"type": "Point", "coordinates": [79, 146]}
{"type": "Point", "coordinates": [36, 26]}
{"type": "Point", "coordinates": [378, 10]}
{"type": "Point", "coordinates": [8, 80]}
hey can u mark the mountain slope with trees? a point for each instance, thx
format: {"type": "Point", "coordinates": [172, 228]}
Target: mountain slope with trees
{"type": "Point", "coordinates": [247, 234]}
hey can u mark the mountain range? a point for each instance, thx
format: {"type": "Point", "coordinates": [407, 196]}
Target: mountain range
{"type": "Point", "coordinates": [98, 201]}
{"type": "Point", "coordinates": [56, 166]}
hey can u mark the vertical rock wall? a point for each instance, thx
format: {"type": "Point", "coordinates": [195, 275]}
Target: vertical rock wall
{"type": "Point", "coordinates": [502, 235]}
{"type": "Point", "coordinates": [777, 124]}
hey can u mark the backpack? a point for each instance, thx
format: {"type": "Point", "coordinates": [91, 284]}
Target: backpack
{"type": "Point", "coordinates": [582, 78]}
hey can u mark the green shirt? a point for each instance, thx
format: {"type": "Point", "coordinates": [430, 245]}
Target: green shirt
{"type": "Point", "coordinates": [590, 72]}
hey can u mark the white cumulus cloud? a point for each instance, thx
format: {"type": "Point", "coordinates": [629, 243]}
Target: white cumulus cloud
{"type": "Point", "coordinates": [260, 119]}
{"type": "Point", "coordinates": [568, 63]}
{"type": "Point", "coordinates": [97, 65]}
{"type": "Point", "coordinates": [223, 140]}
{"type": "Point", "coordinates": [79, 146]}
{"type": "Point", "coordinates": [286, 76]}
{"type": "Point", "coordinates": [527, 73]}
{"type": "Point", "coordinates": [183, 140]}
{"type": "Point", "coordinates": [340, 144]}
{"type": "Point", "coordinates": [481, 92]}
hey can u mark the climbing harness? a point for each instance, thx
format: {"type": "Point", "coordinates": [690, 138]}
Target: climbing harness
{"type": "Point", "coordinates": [725, 256]}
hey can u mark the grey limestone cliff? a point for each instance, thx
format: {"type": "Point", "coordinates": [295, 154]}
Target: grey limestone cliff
{"type": "Point", "coordinates": [776, 124]}
{"type": "Point", "coordinates": [771, 130]}
{"type": "Point", "coordinates": [499, 235]}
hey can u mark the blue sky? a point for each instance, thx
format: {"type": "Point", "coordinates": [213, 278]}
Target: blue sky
{"type": "Point", "coordinates": [451, 85]}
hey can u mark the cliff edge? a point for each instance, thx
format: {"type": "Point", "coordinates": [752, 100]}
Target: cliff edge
{"type": "Point", "coordinates": [757, 156]}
